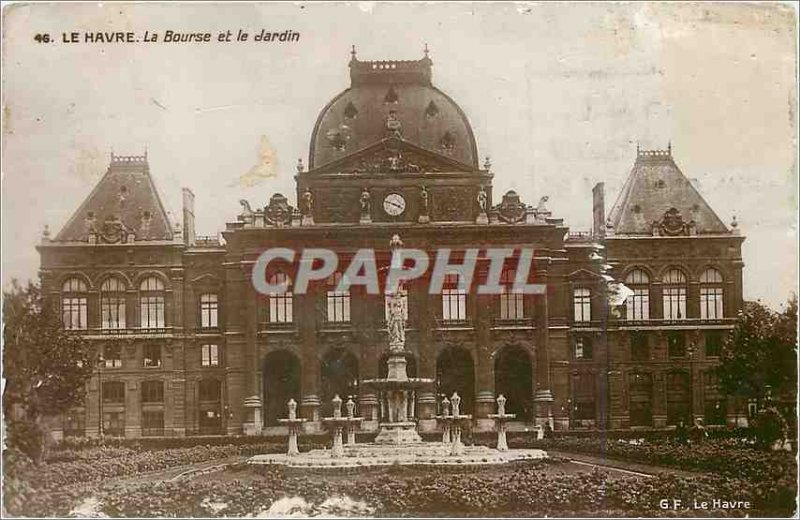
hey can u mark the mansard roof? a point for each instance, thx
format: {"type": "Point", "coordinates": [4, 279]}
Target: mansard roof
{"type": "Point", "coordinates": [658, 199]}
{"type": "Point", "coordinates": [392, 98]}
{"type": "Point", "coordinates": [124, 206]}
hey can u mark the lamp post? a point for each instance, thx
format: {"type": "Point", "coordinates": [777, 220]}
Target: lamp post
{"type": "Point", "coordinates": [100, 361]}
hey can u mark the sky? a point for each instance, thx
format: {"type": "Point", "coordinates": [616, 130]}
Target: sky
{"type": "Point", "coordinates": [558, 96]}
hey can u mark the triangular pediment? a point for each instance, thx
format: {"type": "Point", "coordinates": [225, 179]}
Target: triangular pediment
{"type": "Point", "coordinates": [393, 155]}
{"type": "Point", "coordinates": [584, 275]}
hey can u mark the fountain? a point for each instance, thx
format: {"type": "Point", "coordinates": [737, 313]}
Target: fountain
{"type": "Point", "coordinates": [500, 418]}
{"type": "Point", "coordinates": [293, 422]}
{"type": "Point", "coordinates": [397, 441]}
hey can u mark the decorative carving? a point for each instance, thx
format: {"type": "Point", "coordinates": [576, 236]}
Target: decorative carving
{"type": "Point", "coordinates": [672, 224]}
{"type": "Point", "coordinates": [278, 212]}
{"type": "Point", "coordinates": [247, 212]}
{"type": "Point", "coordinates": [511, 210]}
{"type": "Point", "coordinates": [447, 142]}
{"type": "Point", "coordinates": [393, 125]}
{"type": "Point", "coordinates": [453, 203]}
{"type": "Point", "coordinates": [394, 161]}
{"type": "Point", "coordinates": [541, 208]}
{"type": "Point", "coordinates": [338, 137]}
{"type": "Point", "coordinates": [366, 204]}
{"type": "Point", "coordinates": [114, 231]}
{"type": "Point", "coordinates": [424, 206]}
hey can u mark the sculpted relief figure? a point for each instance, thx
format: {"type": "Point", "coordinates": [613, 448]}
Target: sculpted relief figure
{"type": "Point", "coordinates": [308, 202]}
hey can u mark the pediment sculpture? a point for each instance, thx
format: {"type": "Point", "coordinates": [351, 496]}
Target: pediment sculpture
{"type": "Point", "coordinates": [278, 212]}
{"type": "Point", "coordinates": [511, 210]}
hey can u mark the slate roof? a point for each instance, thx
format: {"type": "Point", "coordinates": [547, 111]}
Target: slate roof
{"type": "Point", "coordinates": [357, 117]}
{"type": "Point", "coordinates": [125, 194]}
{"type": "Point", "coordinates": [655, 186]}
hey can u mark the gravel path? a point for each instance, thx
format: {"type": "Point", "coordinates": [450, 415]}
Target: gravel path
{"type": "Point", "coordinates": [621, 465]}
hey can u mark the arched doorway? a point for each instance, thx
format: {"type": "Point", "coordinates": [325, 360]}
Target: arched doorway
{"type": "Point", "coordinates": [513, 377]}
{"type": "Point", "coordinates": [455, 372]}
{"type": "Point", "coordinates": [281, 382]}
{"type": "Point", "coordinates": [339, 373]}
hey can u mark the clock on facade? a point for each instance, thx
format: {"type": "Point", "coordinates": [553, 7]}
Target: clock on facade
{"type": "Point", "coordinates": [394, 204]}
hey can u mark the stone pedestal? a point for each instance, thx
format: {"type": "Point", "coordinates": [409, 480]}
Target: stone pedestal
{"type": "Point", "coordinates": [338, 448]}
{"type": "Point", "coordinates": [253, 424]}
{"type": "Point", "coordinates": [398, 433]}
{"type": "Point", "coordinates": [482, 219]}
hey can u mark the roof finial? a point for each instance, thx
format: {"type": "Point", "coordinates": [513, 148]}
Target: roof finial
{"type": "Point", "coordinates": [669, 146]}
{"type": "Point", "coordinates": [637, 148]}
{"type": "Point", "coordinates": [353, 52]}
{"type": "Point", "coordinates": [426, 50]}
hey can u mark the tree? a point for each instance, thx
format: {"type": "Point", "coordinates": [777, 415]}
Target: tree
{"type": "Point", "coordinates": [46, 367]}
{"type": "Point", "coordinates": [759, 358]}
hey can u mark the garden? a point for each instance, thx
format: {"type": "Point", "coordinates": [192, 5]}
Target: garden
{"type": "Point", "coordinates": [92, 478]}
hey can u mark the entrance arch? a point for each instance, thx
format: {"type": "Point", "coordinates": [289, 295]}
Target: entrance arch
{"type": "Point", "coordinates": [455, 372]}
{"type": "Point", "coordinates": [281, 382]}
{"type": "Point", "coordinates": [339, 373]}
{"type": "Point", "coordinates": [513, 377]}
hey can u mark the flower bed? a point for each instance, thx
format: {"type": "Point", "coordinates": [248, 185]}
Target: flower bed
{"type": "Point", "coordinates": [522, 491]}
{"type": "Point", "coordinates": [728, 457]}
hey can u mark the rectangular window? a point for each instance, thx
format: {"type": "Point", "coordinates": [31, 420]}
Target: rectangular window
{"type": "Point", "coordinates": [74, 312]}
{"type": "Point", "coordinates": [114, 423]}
{"type": "Point", "coordinates": [112, 356]}
{"type": "Point", "coordinates": [209, 310]}
{"type": "Point", "coordinates": [112, 312]}
{"type": "Point", "coordinates": [152, 423]}
{"type": "Point", "coordinates": [674, 303]}
{"type": "Point", "coordinates": [114, 392]}
{"type": "Point", "coordinates": [679, 398]}
{"type": "Point", "coordinates": [338, 301]}
{"type": "Point", "coordinates": [638, 304]}
{"type": "Point", "coordinates": [711, 303]}
{"type": "Point", "coordinates": [582, 300]}
{"type": "Point", "coordinates": [454, 305]}
{"type": "Point", "coordinates": [152, 392]}
{"type": "Point", "coordinates": [280, 308]}
{"type": "Point", "coordinates": [511, 305]}
{"type": "Point", "coordinates": [583, 347]}
{"type": "Point", "coordinates": [640, 347]}
{"type": "Point", "coordinates": [152, 356]}
{"type": "Point", "coordinates": [640, 392]}
{"type": "Point", "coordinates": [210, 390]}
{"type": "Point", "coordinates": [152, 312]}
{"type": "Point", "coordinates": [676, 343]}
{"type": "Point", "coordinates": [210, 355]}
{"type": "Point", "coordinates": [713, 343]}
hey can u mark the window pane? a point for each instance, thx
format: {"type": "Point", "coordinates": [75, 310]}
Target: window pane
{"type": "Point", "coordinates": [674, 303]}
{"type": "Point", "coordinates": [582, 304]}
{"type": "Point", "coordinates": [209, 310]}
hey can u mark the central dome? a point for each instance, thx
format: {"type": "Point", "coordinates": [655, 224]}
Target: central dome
{"type": "Point", "coordinates": [392, 98]}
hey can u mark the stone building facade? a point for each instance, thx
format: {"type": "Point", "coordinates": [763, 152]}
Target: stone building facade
{"type": "Point", "coordinates": [189, 347]}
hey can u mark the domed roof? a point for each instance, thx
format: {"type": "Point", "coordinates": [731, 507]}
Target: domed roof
{"type": "Point", "coordinates": [392, 98]}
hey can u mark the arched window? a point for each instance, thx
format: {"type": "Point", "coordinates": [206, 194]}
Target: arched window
{"type": "Point", "coordinates": [454, 298]}
{"type": "Point", "coordinates": [112, 304]}
{"type": "Point", "coordinates": [74, 304]}
{"type": "Point", "coordinates": [338, 308]}
{"type": "Point", "coordinates": [511, 302]}
{"type": "Point", "coordinates": [674, 295]}
{"type": "Point", "coordinates": [638, 303]}
{"type": "Point", "coordinates": [711, 294]}
{"type": "Point", "coordinates": [281, 305]}
{"type": "Point", "coordinates": [151, 303]}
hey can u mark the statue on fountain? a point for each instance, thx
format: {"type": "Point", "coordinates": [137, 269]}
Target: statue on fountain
{"type": "Point", "coordinates": [396, 323]}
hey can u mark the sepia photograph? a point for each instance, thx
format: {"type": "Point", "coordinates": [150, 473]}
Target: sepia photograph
{"type": "Point", "coordinates": [399, 259]}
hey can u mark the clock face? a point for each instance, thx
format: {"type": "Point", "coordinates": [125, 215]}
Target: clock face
{"type": "Point", "coordinates": [394, 204]}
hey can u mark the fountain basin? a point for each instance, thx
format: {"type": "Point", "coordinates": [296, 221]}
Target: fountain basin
{"type": "Point", "coordinates": [427, 453]}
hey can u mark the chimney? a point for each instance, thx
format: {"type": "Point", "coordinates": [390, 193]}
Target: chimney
{"type": "Point", "coordinates": [598, 211]}
{"type": "Point", "coordinates": [188, 218]}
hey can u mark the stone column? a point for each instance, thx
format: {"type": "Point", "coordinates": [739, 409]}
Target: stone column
{"type": "Point", "coordinates": [543, 397]}
{"type": "Point", "coordinates": [484, 364]}
{"type": "Point", "coordinates": [309, 360]}
{"type": "Point", "coordinates": [426, 364]}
